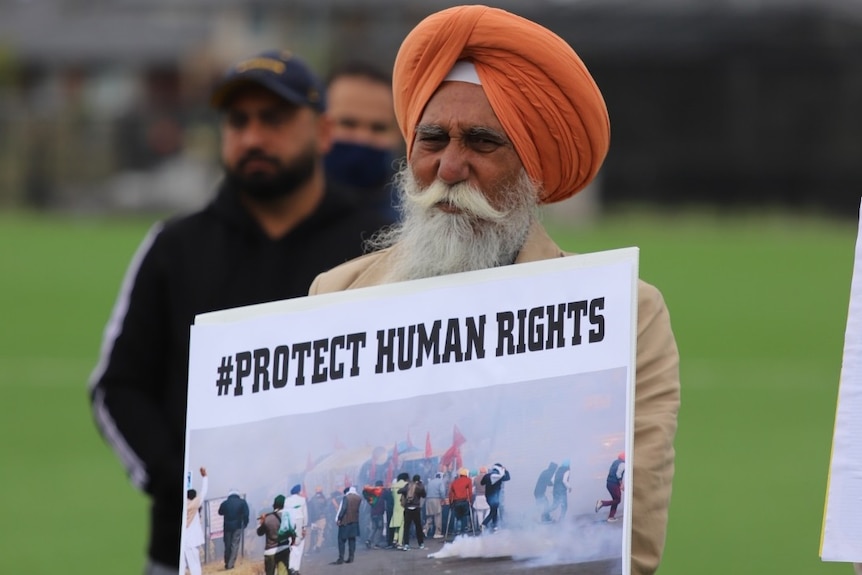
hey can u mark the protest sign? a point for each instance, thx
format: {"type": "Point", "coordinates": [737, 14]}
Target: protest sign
{"type": "Point", "coordinates": [519, 366]}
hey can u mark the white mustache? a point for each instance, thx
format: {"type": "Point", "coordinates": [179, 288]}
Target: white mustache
{"type": "Point", "coordinates": [463, 196]}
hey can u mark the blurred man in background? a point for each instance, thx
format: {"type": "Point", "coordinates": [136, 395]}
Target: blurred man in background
{"type": "Point", "coordinates": [274, 224]}
{"type": "Point", "coordinates": [500, 115]}
{"type": "Point", "coordinates": [366, 141]}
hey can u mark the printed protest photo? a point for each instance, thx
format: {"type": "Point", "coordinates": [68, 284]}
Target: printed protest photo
{"type": "Point", "coordinates": [551, 442]}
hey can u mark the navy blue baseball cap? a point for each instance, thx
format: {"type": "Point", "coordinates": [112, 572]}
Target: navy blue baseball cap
{"type": "Point", "coordinates": [280, 72]}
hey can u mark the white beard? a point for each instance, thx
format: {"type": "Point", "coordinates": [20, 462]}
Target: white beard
{"type": "Point", "coordinates": [432, 242]}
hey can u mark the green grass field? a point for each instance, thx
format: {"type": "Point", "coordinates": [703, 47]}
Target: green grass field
{"type": "Point", "coordinates": [758, 304]}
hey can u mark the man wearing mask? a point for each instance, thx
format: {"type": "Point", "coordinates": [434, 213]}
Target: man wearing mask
{"type": "Point", "coordinates": [274, 224]}
{"type": "Point", "coordinates": [367, 143]}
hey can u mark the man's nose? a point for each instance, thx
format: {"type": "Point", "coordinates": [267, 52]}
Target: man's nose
{"type": "Point", "coordinates": [253, 135]}
{"type": "Point", "coordinates": [452, 165]}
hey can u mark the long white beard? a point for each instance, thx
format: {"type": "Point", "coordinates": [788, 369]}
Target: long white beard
{"type": "Point", "coordinates": [432, 242]}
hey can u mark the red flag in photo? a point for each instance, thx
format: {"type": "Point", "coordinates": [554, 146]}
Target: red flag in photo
{"type": "Point", "coordinates": [453, 454]}
{"type": "Point", "coordinates": [409, 441]}
{"type": "Point", "coordinates": [457, 438]}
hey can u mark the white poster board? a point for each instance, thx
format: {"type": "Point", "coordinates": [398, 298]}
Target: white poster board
{"type": "Point", "coordinates": [521, 365]}
{"type": "Point", "coordinates": [841, 538]}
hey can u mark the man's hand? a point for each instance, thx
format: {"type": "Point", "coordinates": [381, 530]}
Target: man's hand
{"type": "Point", "coordinates": [203, 471]}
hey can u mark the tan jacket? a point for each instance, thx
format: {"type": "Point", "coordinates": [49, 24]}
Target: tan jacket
{"type": "Point", "coordinates": [656, 392]}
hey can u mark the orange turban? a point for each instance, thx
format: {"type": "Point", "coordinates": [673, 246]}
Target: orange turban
{"type": "Point", "coordinates": [538, 87]}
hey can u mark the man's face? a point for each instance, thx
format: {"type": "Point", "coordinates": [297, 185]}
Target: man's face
{"type": "Point", "coordinates": [467, 202]}
{"type": "Point", "coordinates": [459, 139]}
{"type": "Point", "coordinates": [362, 113]}
{"type": "Point", "coordinates": [269, 146]}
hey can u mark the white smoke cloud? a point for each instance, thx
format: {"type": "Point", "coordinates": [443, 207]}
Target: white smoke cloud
{"type": "Point", "coordinates": [583, 540]}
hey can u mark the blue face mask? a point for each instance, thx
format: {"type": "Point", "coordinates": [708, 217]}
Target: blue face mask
{"type": "Point", "coordinates": [358, 165]}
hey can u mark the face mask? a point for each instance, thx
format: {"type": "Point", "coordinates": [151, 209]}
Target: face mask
{"type": "Point", "coordinates": [358, 165]}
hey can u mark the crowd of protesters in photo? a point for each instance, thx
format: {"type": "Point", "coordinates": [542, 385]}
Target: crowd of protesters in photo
{"type": "Point", "coordinates": [389, 512]}
{"type": "Point", "coordinates": [453, 502]}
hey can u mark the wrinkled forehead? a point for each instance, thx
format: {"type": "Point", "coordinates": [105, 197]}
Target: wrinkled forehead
{"type": "Point", "coordinates": [458, 105]}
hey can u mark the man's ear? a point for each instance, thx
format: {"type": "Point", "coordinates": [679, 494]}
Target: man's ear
{"type": "Point", "coordinates": [325, 127]}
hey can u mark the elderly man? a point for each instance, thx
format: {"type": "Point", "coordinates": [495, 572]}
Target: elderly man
{"type": "Point", "coordinates": [500, 115]}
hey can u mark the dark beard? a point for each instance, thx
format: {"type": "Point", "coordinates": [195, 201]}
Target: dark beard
{"type": "Point", "coordinates": [271, 187]}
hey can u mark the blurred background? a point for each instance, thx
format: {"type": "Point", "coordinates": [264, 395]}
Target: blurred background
{"type": "Point", "coordinates": [733, 102]}
{"type": "Point", "coordinates": [735, 166]}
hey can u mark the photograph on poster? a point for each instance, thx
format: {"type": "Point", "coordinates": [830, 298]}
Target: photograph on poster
{"type": "Point", "coordinates": [574, 423]}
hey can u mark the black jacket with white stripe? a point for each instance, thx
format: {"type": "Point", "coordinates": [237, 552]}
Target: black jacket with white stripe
{"type": "Point", "coordinates": [214, 259]}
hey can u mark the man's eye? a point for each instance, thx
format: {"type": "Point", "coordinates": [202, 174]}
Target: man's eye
{"type": "Point", "coordinates": [350, 123]}
{"type": "Point", "coordinates": [483, 144]}
{"type": "Point", "coordinates": [432, 140]}
{"type": "Point", "coordinates": [273, 117]}
{"type": "Point", "coordinates": [235, 120]}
